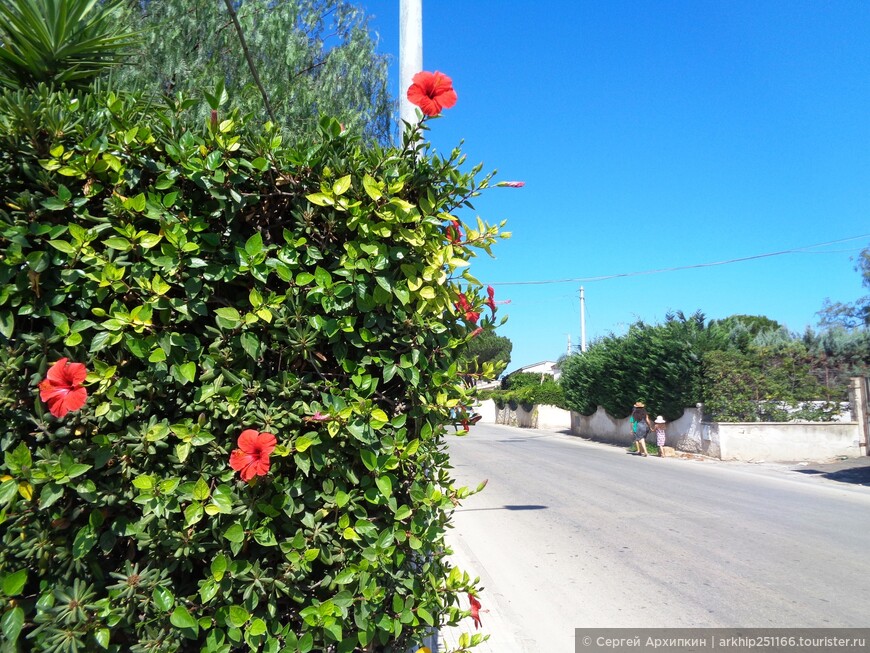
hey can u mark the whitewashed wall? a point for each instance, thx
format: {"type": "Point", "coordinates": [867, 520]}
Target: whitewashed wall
{"type": "Point", "coordinates": [755, 441]}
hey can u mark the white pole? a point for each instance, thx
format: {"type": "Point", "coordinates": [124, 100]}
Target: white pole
{"type": "Point", "coordinates": [410, 54]}
{"type": "Point", "coordinates": [582, 320]}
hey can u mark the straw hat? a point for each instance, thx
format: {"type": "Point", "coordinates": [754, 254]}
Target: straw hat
{"type": "Point", "coordinates": [660, 420]}
{"type": "Point", "coordinates": [639, 404]}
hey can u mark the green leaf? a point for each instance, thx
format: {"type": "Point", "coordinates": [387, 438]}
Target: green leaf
{"type": "Point", "coordinates": [238, 616]}
{"type": "Point", "coordinates": [63, 246]}
{"type": "Point", "coordinates": [320, 199]}
{"type": "Point", "coordinates": [350, 534]}
{"type": "Point", "coordinates": [257, 627]}
{"type": "Point", "coordinates": [302, 443]}
{"type": "Point", "coordinates": [425, 615]}
{"type": "Point", "coordinates": [193, 513]}
{"type": "Point", "coordinates": [341, 186]}
{"type": "Point", "coordinates": [13, 583]}
{"type": "Point", "coordinates": [219, 567]}
{"type": "Point", "coordinates": [8, 491]}
{"type": "Point", "coordinates": [50, 493]}
{"type": "Point", "coordinates": [18, 459]}
{"type": "Point", "coordinates": [7, 323]}
{"type": "Point", "coordinates": [163, 598]}
{"type": "Point", "coordinates": [228, 317]}
{"type": "Point", "coordinates": [116, 242]}
{"type": "Point", "coordinates": [144, 482]}
{"type": "Point", "coordinates": [369, 458]}
{"type": "Point", "coordinates": [385, 485]}
{"type": "Point", "coordinates": [84, 541]}
{"type": "Point", "coordinates": [201, 490]}
{"type": "Point", "coordinates": [208, 590]}
{"type": "Point", "coordinates": [254, 244]}
{"type": "Point", "coordinates": [157, 356]}
{"type": "Point", "coordinates": [345, 576]}
{"type": "Point", "coordinates": [54, 204]}
{"type": "Point", "coordinates": [371, 188]}
{"type": "Point", "coordinates": [214, 159]}
{"type": "Point", "coordinates": [102, 635]}
{"type": "Point", "coordinates": [181, 618]}
{"type": "Point", "coordinates": [187, 371]}
{"type": "Point", "coordinates": [265, 536]}
{"type": "Point", "coordinates": [11, 624]}
{"type": "Point", "coordinates": [251, 344]}
{"type": "Point", "coordinates": [235, 533]}
{"type": "Point", "coordinates": [322, 277]}
{"type": "Point", "coordinates": [136, 203]}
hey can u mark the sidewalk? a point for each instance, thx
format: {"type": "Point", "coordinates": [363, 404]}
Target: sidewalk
{"type": "Point", "coordinates": [494, 611]}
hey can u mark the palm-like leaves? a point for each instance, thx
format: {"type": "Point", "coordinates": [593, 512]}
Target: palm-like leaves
{"type": "Point", "coordinates": [58, 42]}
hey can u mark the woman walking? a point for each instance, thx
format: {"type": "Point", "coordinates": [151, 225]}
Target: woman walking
{"type": "Point", "coordinates": [640, 426]}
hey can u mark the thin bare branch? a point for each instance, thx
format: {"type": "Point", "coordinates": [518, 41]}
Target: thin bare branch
{"type": "Point", "coordinates": [251, 66]}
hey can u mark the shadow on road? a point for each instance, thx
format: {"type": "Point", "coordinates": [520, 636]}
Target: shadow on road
{"type": "Point", "coordinates": [857, 473]}
{"type": "Point", "coordinates": [513, 507]}
{"type": "Point", "coordinates": [526, 438]}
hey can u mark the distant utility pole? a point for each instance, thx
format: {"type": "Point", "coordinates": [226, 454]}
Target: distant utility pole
{"type": "Point", "coordinates": [410, 54]}
{"type": "Point", "coordinates": [569, 344]}
{"type": "Point", "coordinates": [582, 320]}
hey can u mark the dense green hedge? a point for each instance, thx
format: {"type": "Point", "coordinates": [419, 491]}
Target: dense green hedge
{"type": "Point", "coordinates": [743, 368]}
{"type": "Point", "coordinates": [528, 390]}
{"type": "Point", "coordinates": [211, 283]}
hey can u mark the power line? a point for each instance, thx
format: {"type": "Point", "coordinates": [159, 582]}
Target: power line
{"type": "Point", "coordinates": [799, 250]}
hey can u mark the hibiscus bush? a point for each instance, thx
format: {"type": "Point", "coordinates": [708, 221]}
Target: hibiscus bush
{"type": "Point", "coordinates": [226, 367]}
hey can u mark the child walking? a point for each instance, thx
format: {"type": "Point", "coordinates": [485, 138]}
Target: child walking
{"type": "Point", "coordinates": [659, 427]}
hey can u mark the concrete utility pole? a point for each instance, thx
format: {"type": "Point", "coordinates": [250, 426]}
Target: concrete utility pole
{"type": "Point", "coordinates": [410, 54]}
{"type": "Point", "coordinates": [582, 320]}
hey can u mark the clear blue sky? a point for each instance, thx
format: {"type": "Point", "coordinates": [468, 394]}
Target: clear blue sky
{"type": "Point", "coordinates": [657, 134]}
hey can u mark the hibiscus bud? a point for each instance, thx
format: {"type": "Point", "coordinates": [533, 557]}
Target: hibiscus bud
{"type": "Point", "coordinates": [511, 184]}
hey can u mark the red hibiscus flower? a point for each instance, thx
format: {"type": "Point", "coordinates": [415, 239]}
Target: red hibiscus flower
{"type": "Point", "coordinates": [432, 92]}
{"type": "Point", "coordinates": [491, 299]}
{"type": "Point", "coordinates": [454, 232]}
{"type": "Point", "coordinates": [252, 457]}
{"type": "Point", "coordinates": [62, 387]}
{"type": "Point", "coordinates": [475, 610]}
{"type": "Point", "coordinates": [463, 305]}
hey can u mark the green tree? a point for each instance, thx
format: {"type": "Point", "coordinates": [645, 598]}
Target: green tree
{"type": "Point", "coordinates": [855, 314]}
{"type": "Point", "coordinates": [757, 384]}
{"type": "Point", "coordinates": [657, 364]}
{"type": "Point", "coordinates": [488, 347]}
{"type": "Point", "coordinates": [838, 354]}
{"type": "Point", "coordinates": [60, 42]}
{"type": "Point", "coordinates": [313, 57]}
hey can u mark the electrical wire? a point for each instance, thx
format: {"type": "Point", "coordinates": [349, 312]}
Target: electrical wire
{"type": "Point", "coordinates": [799, 250]}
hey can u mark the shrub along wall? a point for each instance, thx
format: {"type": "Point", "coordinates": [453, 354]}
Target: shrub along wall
{"type": "Point", "coordinates": [225, 371]}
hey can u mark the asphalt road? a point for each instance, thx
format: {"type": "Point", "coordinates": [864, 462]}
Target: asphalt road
{"type": "Point", "coordinates": [573, 534]}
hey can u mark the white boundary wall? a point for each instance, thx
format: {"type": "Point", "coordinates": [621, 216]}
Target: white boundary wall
{"type": "Point", "coordinates": [751, 441]}
{"type": "Point", "coordinates": [539, 417]}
